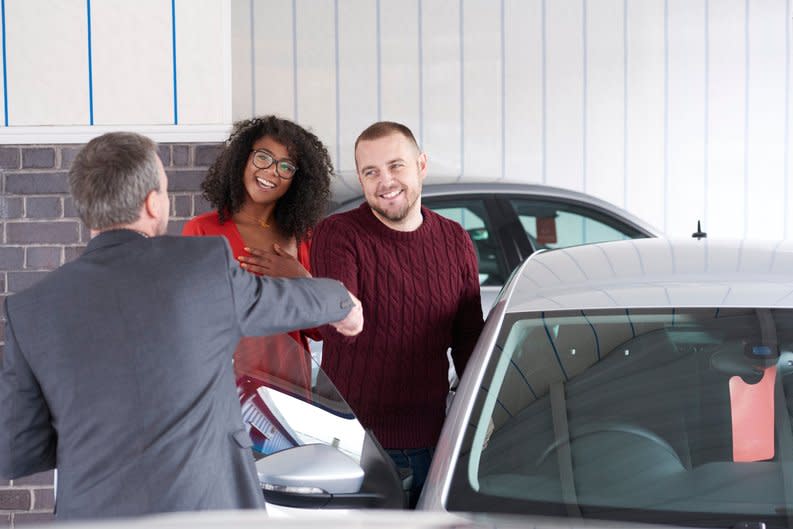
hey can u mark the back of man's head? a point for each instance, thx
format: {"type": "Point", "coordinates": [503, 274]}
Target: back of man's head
{"type": "Point", "coordinates": [110, 178]}
{"type": "Point", "coordinates": [381, 129]}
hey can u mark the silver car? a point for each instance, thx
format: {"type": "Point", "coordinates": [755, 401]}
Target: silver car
{"type": "Point", "coordinates": [635, 381]}
{"type": "Point", "coordinates": [508, 222]}
{"type": "Point", "coordinates": [646, 381]}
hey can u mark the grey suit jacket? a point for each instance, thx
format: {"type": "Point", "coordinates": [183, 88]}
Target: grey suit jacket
{"type": "Point", "coordinates": [117, 370]}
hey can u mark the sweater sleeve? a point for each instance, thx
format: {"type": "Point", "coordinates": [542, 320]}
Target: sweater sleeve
{"type": "Point", "coordinates": [468, 322]}
{"type": "Point", "coordinates": [333, 255]}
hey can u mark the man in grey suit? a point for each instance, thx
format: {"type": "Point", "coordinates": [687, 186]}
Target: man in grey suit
{"type": "Point", "coordinates": [117, 367]}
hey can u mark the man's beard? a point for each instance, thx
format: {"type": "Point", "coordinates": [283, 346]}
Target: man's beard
{"type": "Point", "coordinates": [398, 215]}
{"type": "Point", "coordinates": [393, 216]}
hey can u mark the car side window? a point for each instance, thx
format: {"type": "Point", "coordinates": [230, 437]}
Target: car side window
{"type": "Point", "coordinates": [553, 224]}
{"type": "Point", "coordinates": [472, 216]}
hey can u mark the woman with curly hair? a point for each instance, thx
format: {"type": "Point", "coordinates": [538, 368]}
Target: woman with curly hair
{"type": "Point", "coordinates": [269, 187]}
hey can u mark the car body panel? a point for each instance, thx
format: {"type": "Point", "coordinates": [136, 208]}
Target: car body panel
{"type": "Point", "coordinates": [657, 273]}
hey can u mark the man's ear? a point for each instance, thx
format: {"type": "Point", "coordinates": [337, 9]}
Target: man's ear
{"type": "Point", "coordinates": [422, 165]}
{"type": "Point", "coordinates": [150, 204]}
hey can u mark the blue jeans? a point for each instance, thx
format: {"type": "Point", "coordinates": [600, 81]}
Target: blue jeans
{"type": "Point", "coordinates": [417, 460]}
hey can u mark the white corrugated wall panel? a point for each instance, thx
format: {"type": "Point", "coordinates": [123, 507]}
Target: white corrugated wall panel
{"type": "Point", "coordinates": [523, 90]}
{"type": "Point", "coordinates": [132, 56]}
{"type": "Point", "coordinates": [47, 62]}
{"type": "Point", "coordinates": [645, 103]}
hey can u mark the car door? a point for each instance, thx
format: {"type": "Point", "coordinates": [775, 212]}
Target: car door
{"type": "Point", "coordinates": [310, 449]}
{"type": "Point", "coordinates": [494, 232]}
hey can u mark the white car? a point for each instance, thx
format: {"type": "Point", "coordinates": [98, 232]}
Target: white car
{"type": "Point", "coordinates": [636, 381]}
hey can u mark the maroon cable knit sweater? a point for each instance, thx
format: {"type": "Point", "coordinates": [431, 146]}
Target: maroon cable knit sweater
{"type": "Point", "coordinates": [420, 296]}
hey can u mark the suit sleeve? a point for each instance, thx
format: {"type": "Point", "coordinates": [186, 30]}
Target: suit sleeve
{"type": "Point", "coordinates": [27, 438]}
{"type": "Point", "coordinates": [268, 305]}
{"type": "Point", "coordinates": [468, 322]}
{"type": "Point", "coordinates": [333, 255]}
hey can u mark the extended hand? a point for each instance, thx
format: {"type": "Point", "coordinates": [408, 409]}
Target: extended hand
{"type": "Point", "coordinates": [352, 324]}
{"type": "Point", "coordinates": [278, 263]}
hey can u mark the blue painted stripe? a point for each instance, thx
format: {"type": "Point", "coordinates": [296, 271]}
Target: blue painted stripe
{"type": "Point", "coordinates": [294, 58]}
{"type": "Point", "coordinates": [553, 346]}
{"type": "Point", "coordinates": [90, 65]}
{"type": "Point", "coordinates": [5, 63]}
{"type": "Point", "coordinates": [173, 47]}
{"type": "Point", "coordinates": [462, 92]}
{"type": "Point", "coordinates": [421, 75]}
{"type": "Point", "coordinates": [674, 315]}
{"type": "Point", "coordinates": [747, 63]}
{"type": "Point", "coordinates": [252, 20]}
{"type": "Point", "coordinates": [523, 376]}
{"type": "Point", "coordinates": [543, 33]}
{"type": "Point", "coordinates": [719, 308]}
{"type": "Point", "coordinates": [379, 49]}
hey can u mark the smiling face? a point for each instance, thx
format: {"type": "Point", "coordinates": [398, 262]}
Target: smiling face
{"type": "Point", "coordinates": [264, 186]}
{"type": "Point", "coordinates": [391, 171]}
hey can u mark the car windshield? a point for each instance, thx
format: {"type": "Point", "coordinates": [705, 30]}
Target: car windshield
{"type": "Point", "coordinates": [678, 416]}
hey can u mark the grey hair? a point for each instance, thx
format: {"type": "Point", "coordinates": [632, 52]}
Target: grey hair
{"type": "Point", "coordinates": [111, 177]}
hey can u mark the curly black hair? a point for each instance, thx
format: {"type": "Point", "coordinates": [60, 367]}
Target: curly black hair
{"type": "Point", "coordinates": [303, 204]}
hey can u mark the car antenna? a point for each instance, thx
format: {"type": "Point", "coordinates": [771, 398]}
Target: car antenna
{"type": "Point", "coordinates": [699, 234]}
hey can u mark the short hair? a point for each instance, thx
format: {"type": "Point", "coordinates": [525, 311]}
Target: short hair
{"type": "Point", "coordinates": [303, 204]}
{"type": "Point", "coordinates": [381, 129]}
{"type": "Point", "coordinates": [111, 177]}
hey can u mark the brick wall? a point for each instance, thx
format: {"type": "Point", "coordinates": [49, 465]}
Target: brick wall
{"type": "Point", "coordinates": [39, 231]}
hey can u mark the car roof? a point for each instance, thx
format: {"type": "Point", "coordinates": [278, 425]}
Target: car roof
{"type": "Point", "coordinates": [540, 190]}
{"type": "Point", "coordinates": [655, 273]}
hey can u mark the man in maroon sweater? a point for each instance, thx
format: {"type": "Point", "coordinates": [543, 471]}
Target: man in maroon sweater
{"type": "Point", "coordinates": [416, 275]}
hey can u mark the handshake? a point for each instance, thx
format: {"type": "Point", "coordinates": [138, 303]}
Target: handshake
{"type": "Point", "coordinates": [352, 324]}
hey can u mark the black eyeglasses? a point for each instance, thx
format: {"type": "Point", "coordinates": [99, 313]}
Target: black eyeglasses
{"type": "Point", "coordinates": [283, 168]}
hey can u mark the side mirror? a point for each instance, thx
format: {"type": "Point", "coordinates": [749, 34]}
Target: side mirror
{"type": "Point", "coordinates": [321, 476]}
